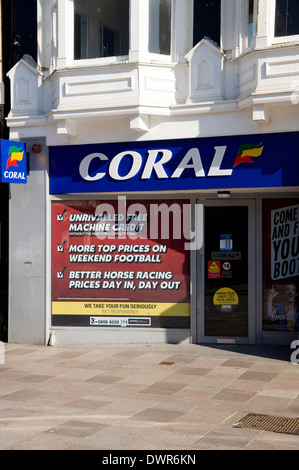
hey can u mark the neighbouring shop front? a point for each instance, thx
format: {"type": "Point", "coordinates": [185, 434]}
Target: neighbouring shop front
{"type": "Point", "coordinates": [13, 170]}
{"type": "Point", "coordinates": [187, 239]}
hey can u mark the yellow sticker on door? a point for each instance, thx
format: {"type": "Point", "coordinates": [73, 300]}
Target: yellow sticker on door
{"type": "Point", "coordinates": [225, 296]}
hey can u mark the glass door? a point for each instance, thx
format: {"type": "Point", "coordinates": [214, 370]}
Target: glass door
{"type": "Point", "coordinates": [225, 265]}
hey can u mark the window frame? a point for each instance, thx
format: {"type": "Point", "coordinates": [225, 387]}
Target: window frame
{"type": "Point", "coordinates": [249, 46]}
{"type": "Point", "coordinates": [275, 40]}
{"type": "Point", "coordinates": [287, 35]}
{"type": "Point", "coordinates": [138, 42]}
{"type": "Point", "coordinates": [241, 38]}
{"type": "Point", "coordinates": [94, 60]}
{"type": "Point", "coordinates": [159, 20]}
{"type": "Point", "coordinates": [192, 25]}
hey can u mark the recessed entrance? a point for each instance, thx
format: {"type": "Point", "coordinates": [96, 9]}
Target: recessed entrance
{"type": "Point", "coordinates": [225, 269]}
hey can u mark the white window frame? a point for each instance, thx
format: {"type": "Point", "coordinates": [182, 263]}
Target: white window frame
{"type": "Point", "coordinates": [240, 40]}
{"type": "Point", "coordinates": [94, 60]}
{"type": "Point", "coordinates": [222, 16]}
{"type": "Point", "coordinates": [273, 40]}
{"type": "Point", "coordinates": [138, 36]}
{"type": "Point", "coordinates": [144, 32]}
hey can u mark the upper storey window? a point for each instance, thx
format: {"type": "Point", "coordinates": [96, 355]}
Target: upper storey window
{"type": "Point", "coordinates": [159, 26]}
{"type": "Point", "coordinates": [206, 20]}
{"type": "Point", "coordinates": [101, 28]}
{"type": "Point", "coordinates": [286, 18]}
{"type": "Point", "coordinates": [250, 22]}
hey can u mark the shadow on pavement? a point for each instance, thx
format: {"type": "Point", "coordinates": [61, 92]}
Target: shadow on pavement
{"type": "Point", "coordinates": [282, 353]}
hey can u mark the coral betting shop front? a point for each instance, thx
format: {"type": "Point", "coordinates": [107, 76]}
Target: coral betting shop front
{"type": "Point", "coordinates": [176, 240]}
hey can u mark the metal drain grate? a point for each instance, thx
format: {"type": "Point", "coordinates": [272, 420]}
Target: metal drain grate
{"type": "Point", "coordinates": [270, 423]}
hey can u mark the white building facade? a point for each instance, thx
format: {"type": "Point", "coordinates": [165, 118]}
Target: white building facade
{"type": "Point", "coordinates": [162, 195]}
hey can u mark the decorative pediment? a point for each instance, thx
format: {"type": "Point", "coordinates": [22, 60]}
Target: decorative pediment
{"type": "Point", "coordinates": [205, 72]}
{"type": "Point", "coordinates": [25, 82]}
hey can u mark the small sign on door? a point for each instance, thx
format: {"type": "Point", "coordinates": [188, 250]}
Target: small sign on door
{"type": "Point", "coordinates": [213, 269]}
{"type": "Point", "coordinates": [226, 242]}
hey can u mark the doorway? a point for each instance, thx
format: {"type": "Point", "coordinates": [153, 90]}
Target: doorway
{"type": "Point", "coordinates": [225, 273]}
{"type": "Point", "coordinates": [4, 262]}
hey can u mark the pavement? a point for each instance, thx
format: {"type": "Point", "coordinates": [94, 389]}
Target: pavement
{"type": "Point", "coordinates": [157, 397]}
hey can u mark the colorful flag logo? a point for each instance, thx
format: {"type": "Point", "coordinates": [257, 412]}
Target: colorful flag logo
{"type": "Point", "coordinates": [15, 154]}
{"type": "Point", "coordinates": [246, 152]}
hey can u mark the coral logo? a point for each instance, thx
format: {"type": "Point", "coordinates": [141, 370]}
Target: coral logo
{"type": "Point", "coordinates": [246, 152]}
{"type": "Point", "coordinates": [15, 155]}
{"type": "Point", "coordinates": [13, 162]}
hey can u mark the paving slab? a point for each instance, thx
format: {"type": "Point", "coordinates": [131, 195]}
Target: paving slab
{"type": "Point", "coordinates": [144, 397]}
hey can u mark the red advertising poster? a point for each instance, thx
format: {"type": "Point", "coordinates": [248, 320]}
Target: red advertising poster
{"type": "Point", "coordinates": [120, 263]}
{"type": "Point", "coordinates": [281, 264]}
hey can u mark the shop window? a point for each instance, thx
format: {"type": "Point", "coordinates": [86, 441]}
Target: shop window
{"type": "Point", "coordinates": [286, 18]}
{"type": "Point", "coordinates": [159, 26]}
{"type": "Point", "coordinates": [101, 28]}
{"type": "Point", "coordinates": [206, 20]}
{"type": "Point", "coordinates": [281, 265]}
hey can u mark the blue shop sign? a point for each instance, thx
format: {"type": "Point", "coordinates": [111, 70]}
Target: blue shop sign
{"type": "Point", "coordinates": [249, 161]}
{"type": "Point", "coordinates": [13, 162]}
